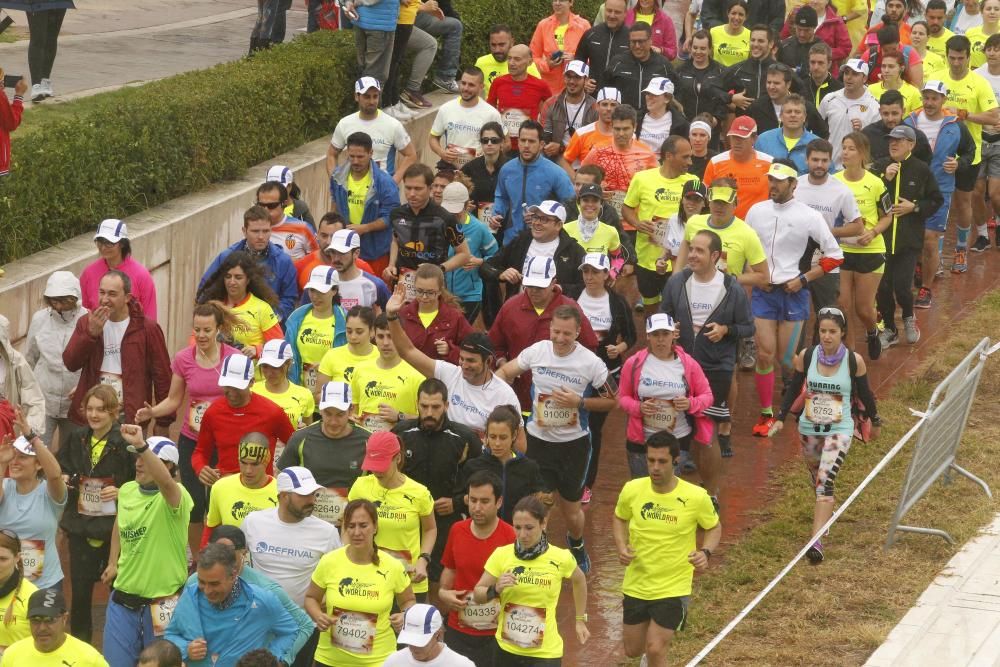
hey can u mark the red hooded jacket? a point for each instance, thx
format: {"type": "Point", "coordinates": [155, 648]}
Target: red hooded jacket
{"type": "Point", "coordinates": [10, 118]}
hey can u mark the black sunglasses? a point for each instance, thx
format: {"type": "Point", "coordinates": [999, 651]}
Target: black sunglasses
{"type": "Point", "coordinates": [490, 140]}
{"type": "Point", "coordinates": [269, 205]}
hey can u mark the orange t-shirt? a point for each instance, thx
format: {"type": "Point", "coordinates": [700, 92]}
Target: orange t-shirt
{"type": "Point", "coordinates": [750, 177]}
{"type": "Point", "coordinates": [620, 166]}
{"type": "Point", "coordinates": [585, 140]}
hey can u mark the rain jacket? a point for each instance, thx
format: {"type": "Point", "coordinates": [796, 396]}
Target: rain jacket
{"type": "Point", "coordinates": [292, 325]}
{"type": "Point", "coordinates": [48, 335]}
{"type": "Point", "coordinates": [953, 140]}
{"type": "Point", "coordinates": [450, 326]}
{"type": "Point", "coordinates": [543, 44]}
{"type": "Point", "coordinates": [382, 197]}
{"type": "Point", "coordinates": [21, 387]}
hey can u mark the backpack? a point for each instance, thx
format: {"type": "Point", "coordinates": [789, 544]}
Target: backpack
{"type": "Point", "coordinates": [862, 424]}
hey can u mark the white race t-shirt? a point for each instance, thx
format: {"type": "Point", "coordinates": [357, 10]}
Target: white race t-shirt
{"type": "Point", "coordinates": [704, 297]}
{"type": "Point", "coordinates": [833, 200]}
{"type": "Point", "coordinates": [447, 658]}
{"type": "Point", "coordinates": [656, 130]}
{"type": "Point", "coordinates": [288, 552]}
{"type": "Point", "coordinates": [469, 404]}
{"type": "Point", "coordinates": [114, 332]}
{"type": "Point", "coordinates": [994, 81]}
{"type": "Point", "coordinates": [358, 292]}
{"type": "Point", "coordinates": [386, 132]}
{"type": "Point", "coordinates": [664, 380]}
{"type": "Point", "coordinates": [458, 126]}
{"type": "Point", "coordinates": [576, 371]}
{"type": "Point", "coordinates": [929, 127]}
{"type": "Point", "coordinates": [597, 309]}
{"type": "Point", "coordinates": [673, 235]}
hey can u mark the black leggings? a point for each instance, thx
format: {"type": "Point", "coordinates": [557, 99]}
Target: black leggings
{"type": "Point", "coordinates": [596, 424]}
{"type": "Point", "coordinates": [86, 564]}
{"type": "Point", "coordinates": [897, 286]}
{"type": "Point", "coordinates": [189, 479]}
{"type": "Point", "coordinates": [390, 92]}
{"type": "Point", "coordinates": [44, 28]}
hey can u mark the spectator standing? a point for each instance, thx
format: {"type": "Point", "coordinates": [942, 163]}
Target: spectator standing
{"type": "Point", "coordinates": [115, 249]}
{"type": "Point", "coordinates": [555, 42]}
{"type": "Point", "coordinates": [47, 609]}
{"type": "Point", "coordinates": [45, 19]}
{"type": "Point", "coordinates": [10, 120]}
{"type": "Point", "coordinates": [112, 339]}
{"type": "Point", "coordinates": [518, 95]}
{"type": "Point", "coordinates": [48, 334]}
{"type": "Point", "coordinates": [631, 72]}
{"type": "Point", "coordinates": [392, 149]}
{"type": "Point", "coordinates": [605, 40]}
{"type": "Point", "coordinates": [440, 20]}
{"type": "Point", "coordinates": [454, 136]}
{"type": "Point", "coordinates": [295, 236]}
{"type": "Point", "coordinates": [374, 35]}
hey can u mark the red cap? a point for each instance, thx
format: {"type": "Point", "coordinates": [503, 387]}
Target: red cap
{"type": "Point", "coordinates": [743, 126]}
{"type": "Point", "coordinates": [380, 450]}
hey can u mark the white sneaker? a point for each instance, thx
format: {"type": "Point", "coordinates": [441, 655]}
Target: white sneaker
{"type": "Point", "coordinates": [47, 87]}
{"type": "Point", "coordinates": [37, 92]}
{"type": "Point", "coordinates": [403, 112]}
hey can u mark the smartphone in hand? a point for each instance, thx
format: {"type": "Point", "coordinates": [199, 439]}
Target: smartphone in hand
{"type": "Point", "coordinates": [10, 80]}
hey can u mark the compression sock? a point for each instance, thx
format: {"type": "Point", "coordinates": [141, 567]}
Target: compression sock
{"type": "Point", "coordinates": [764, 380]}
{"type": "Point", "coordinates": [962, 238]}
{"type": "Point", "coordinates": [941, 244]}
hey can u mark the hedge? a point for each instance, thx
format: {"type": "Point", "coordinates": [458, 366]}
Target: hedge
{"type": "Point", "coordinates": [134, 148]}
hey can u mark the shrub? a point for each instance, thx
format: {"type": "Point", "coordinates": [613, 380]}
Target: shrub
{"type": "Point", "coordinates": [134, 148]}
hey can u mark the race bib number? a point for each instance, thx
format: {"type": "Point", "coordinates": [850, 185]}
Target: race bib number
{"type": "Point", "coordinates": [374, 422]}
{"type": "Point", "coordinates": [410, 283]}
{"type": "Point", "coordinates": [664, 418]}
{"type": "Point", "coordinates": [523, 626]}
{"type": "Point", "coordinates": [403, 556]}
{"type": "Point", "coordinates": [464, 155]}
{"type": "Point", "coordinates": [512, 119]}
{"type": "Point", "coordinates": [162, 611]}
{"type": "Point", "coordinates": [824, 408]}
{"type": "Point", "coordinates": [659, 235]}
{"type": "Point", "coordinates": [33, 558]}
{"type": "Point", "coordinates": [617, 200]}
{"type": "Point", "coordinates": [310, 377]}
{"type": "Point", "coordinates": [353, 631]}
{"type": "Point", "coordinates": [549, 414]}
{"type": "Point", "coordinates": [480, 616]}
{"type": "Point", "coordinates": [329, 504]}
{"type": "Point", "coordinates": [196, 412]}
{"type": "Point", "coordinates": [279, 449]}
{"type": "Point", "coordinates": [486, 212]}
{"type": "Point", "coordinates": [89, 501]}
{"type": "Point", "coordinates": [114, 381]}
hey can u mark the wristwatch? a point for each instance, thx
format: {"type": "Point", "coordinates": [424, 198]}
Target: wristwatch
{"type": "Point", "coordinates": [426, 557]}
{"type": "Point", "coordinates": [137, 450]}
{"type": "Point", "coordinates": [708, 553]}
{"type": "Point", "coordinates": [399, 418]}
{"type": "Point", "coordinates": [803, 280]}
{"type": "Point", "coordinates": [392, 317]}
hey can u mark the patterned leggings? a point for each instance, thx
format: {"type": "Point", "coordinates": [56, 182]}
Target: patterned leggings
{"type": "Point", "coordinates": [824, 454]}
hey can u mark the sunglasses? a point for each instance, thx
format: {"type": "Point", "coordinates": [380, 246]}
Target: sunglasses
{"type": "Point", "coordinates": [490, 140]}
{"type": "Point", "coordinates": [271, 205]}
{"type": "Point", "coordinates": [832, 312]}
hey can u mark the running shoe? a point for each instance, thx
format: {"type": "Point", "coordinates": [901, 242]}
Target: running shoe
{"type": "Point", "coordinates": [912, 329]}
{"type": "Point", "coordinates": [888, 338]}
{"type": "Point", "coordinates": [47, 88]}
{"type": "Point", "coordinates": [874, 345]}
{"type": "Point", "coordinates": [726, 445]}
{"type": "Point", "coordinates": [815, 553]}
{"type": "Point", "coordinates": [940, 268]}
{"type": "Point", "coordinates": [37, 92]}
{"type": "Point", "coordinates": [414, 100]}
{"type": "Point", "coordinates": [923, 299]}
{"type": "Point", "coordinates": [587, 496]}
{"type": "Point", "coordinates": [580, 554]}
{"type": "Point", "coordinates": [446, 85]}
{"type": "Point", "coordinates": [982, 243]}
{"type": "Point", "coordinates": [400, 112]}
{"type": "Point", "coordinates": [762, 428]}
{"type": "Point", "coordinates": [961, 263]}
{"type": "Point", "coordinates": [686, 465]}
{"type": "Point", "coordinates": [748, 353]}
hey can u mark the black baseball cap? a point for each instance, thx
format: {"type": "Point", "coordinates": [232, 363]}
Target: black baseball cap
{"type": "Point", "coordinates": [47, 603]}
{"type": "Point", "coordinates": [478, 343]}
{"type": "Point", "coordinates": [806, 17]}
{"type": "Point", "coordinates": [231, 533]}
{"type": "Point", "coordinates": [590, 190]}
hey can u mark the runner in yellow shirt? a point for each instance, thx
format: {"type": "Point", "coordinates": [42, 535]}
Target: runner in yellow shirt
{"type": "Point", "coordinates": [655, 524]}
{"type": "Point", "coordinates": [339, 364]}
{"type": "Point", "coordinates": [407, 529]}
{"type": "Point", "coordinates": [297, 402]}
{"type": "Point", "coordinates": [54, 647]}
{"type": "Point", "coordinates": [385, 390]}
{"type": "Point", "coordinates": [235, 496]}
{"type": "Point", "coordinates": [527, 577]}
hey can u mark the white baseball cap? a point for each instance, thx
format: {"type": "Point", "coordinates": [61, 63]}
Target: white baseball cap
{"type": "Point", "coordinates": [858, 65]}
{"type": "Point", "coordinates": [550, 207]}
{"type": "Point", "coordinates": [577, 67]}
{"type": "Point", "coordinates": [164, 448]}
{"type": "Point", "coordinates": [335, 395]}
{"type": "Point", "coordinates": [366, 83]}
{"type": "Point", "coordinates": [538, 272]}
{"type": "Point", "coordinates": [275, 353]}
{"type": "Point", "coordinates": [323, 279]}
{"type": "Point", "coordinates": [420, 623]}
{"type": "Point", "coordinates": [280, 174]}
{"type": "Point", "coordinates": [454, 198]}
{"type": "Point", "coordinates": [660, 85]}
{"type": "Point", "coordinates": [22, 445]}
{"type": "Point", "coordinates": [609, 93]}
{"type": "Point", "coordinates": [112, 229]}
{"type": "Point", "coordinates": [344, 240]}
{"type": "Point", "coordinates": [598, 260]}
{"type": "Point", "coordinates": [297, 480]}
{"type": "Point", "coordinates": [237, 372]}
{"type": "Point", "coordinates": [660, 322]}
{"type": "Point", "coordinates": [935, 87]}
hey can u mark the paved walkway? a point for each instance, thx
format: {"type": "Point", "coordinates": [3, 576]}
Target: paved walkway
{"type": "Point", "coordinates": [956, 621]}
{"type": "Point", "coordinates": [107, 44]}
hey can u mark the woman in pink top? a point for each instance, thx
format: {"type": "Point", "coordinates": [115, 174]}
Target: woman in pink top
{"type": "Point", "coordinates": [664, 32]}
{"type": "Point", "coordinates": [196, 371]}
{"type": "Point", "coordinates": [554, 42]}
{"type": "Point", "coordinates": [116, 253]}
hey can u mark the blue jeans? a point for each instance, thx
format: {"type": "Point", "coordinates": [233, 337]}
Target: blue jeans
{"type": "Point", "coordinates": [450, 30]}
{"type": "Point", "coordinates": [126, 634]}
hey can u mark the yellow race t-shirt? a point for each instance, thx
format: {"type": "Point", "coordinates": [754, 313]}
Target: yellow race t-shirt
{"type": "Point", "coordinates": [399, 513]}
{"type": "Point", "coordinates": [427, 318]}
{"type": "Point", "coordinates": [977, 38]}
{"type": "Point", "coordinates": [604, 240]}
{"type": "Point", "coordinates": [315, 339]}
{"type": "Point", "coordinates": [655, 198]}
{"type": "Point", "coordinates": [19, 627]}
{"type": "Point", "coordinates": [297, 402]}
{"type": "Point", "coordinates": [254, 316]}
{"type": "Point", "coordinates": [560, 35]}
{"type": "Point", "coordinates": [974, 94]}
{"type": "Point", "coordinates": [372, 386]}
{"type": "Point", "coordinates": [936, 44]}
{"type": "Point", "coordinates": [869, 193]}
{"type": "Point", "coordinates": [911, 96]}
{"type": "Point", "coordinates": [360, 597]}
{"type": "Point", "coordinates": [662, 530]}
{"type": "Point", "coordinates": [740, 244]}
{"type": "Point", "coordinates": [357, 192]}
{"type": "Point", "coordinates": [230, 501]}
{"type": "Point", "coordinates": [73, 652]}
{"type": "Point", "coordinates": [492, 68]}
{"type": "Point", "coordinates": [730, 49]}
{"type": "Point", "coordinates": [528, 608]}
{"type": "Point", "coordinates": [339, 363]}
